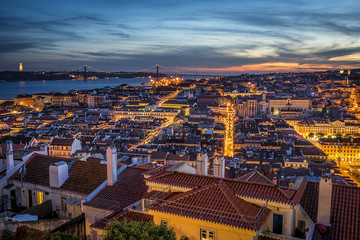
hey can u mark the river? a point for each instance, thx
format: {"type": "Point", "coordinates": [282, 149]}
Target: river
{"type": "Point", "coordinates": [8, 90]}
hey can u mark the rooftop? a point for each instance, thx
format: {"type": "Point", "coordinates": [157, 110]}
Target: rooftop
{"type": "Point", "coordinates": [129, 188]}
{"type": "Point", "coordinates": [217, 203]}
{"type": "Point", "coordinates": [84, 177]}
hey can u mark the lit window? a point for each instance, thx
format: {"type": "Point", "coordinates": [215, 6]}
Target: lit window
{"type": "Point", "coordinates": [40, 197]}
{"type": "Point", "coordinates": [207, 234]}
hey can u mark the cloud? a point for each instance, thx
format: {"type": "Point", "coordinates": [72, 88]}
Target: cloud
{"type": "Point", "coordinates": [355, 57]}
{"type": "Point", "coordinates": [268, 67]}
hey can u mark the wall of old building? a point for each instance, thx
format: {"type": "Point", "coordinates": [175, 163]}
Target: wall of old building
{"type": "Point", "coordinates": [191, 227]}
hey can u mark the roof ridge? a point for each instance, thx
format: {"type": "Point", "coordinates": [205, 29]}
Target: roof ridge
{"type": "Point", "coordinates": [247, 176]}
{"type": "Point", "coordinates": [187, 194]}
{"type": "Point", "coordinates": [300, 191]}
{"type": "Point", "coordinates": [225, 191]}
{"type": "Point", "coordinates": [266, 178]}
{"type": "Point", "coordinates": [282, 191]}
{"type": "Point", "coordinates": [230, 196]}
{"type": "Point", "coordinates": [163, 175]}
{"type": "Point", "coordinates": [219, 178]}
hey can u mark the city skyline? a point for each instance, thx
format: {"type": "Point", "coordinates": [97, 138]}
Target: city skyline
{"type": "Point", "coordinates": [205, 36]}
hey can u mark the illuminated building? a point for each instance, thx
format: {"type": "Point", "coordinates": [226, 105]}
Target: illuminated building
{"type": "Point", "coordinates": [132, 112]}
{"type": "Point", "coordinates": [229, 132]}
{"type": "Point", "coordinates": [165, 82]}
{"type": "Point", "coordinates": [346, 150]}
{"type": "Point", "coordinates": [252, 106]}
{"type": "Point", "coordinates": [64, 147]}
{"type": "Point", "coordinates": [326, 127]}
{"type": "Point", "coordinates": [275, 104]}
{"type": "Point", "coordinates": [20, 67]}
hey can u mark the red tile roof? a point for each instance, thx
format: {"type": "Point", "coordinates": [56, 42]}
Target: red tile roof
{"type": "Point", "coordinates": [83, 178]}
{"type": "Point", "coordinates": [94, 160]}
{"type": "Point", "coordinates": [263, 191]}
{"type": "Point", "coordinates": [309, 200]}
{"type": "Point", "coordinates": [120, 215]}
{"type": "Point", "coordinates": [156, 171]}
{"type": "Point", "coordinates": [129, 188]}
{"type": "Point", "coordinates": [345, 213]}
{"type": "Point", "coordinates": [174, 157]}
{"type": "Point", "coordinates": [345, 210]}
{"type": "Point", "coordinates": [217, 203]}
{"type": "Point", "coordinates": [62, 142]}
{"type": "Point", "coordinates": [158, 156]}
{"type": "Point", "coordinates": [156, 195]}
{"type": "Point", "coordinates": [255, 177]}
{"type": "Point", "coordinates": [15, 148]}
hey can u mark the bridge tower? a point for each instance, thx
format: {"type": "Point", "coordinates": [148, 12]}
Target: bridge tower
{"type": "Point", "coordinates": [85, 71]}
{"type": "Point", "coordinates": [157, 72]}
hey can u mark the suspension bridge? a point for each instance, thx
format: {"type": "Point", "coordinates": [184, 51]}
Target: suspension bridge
{"type": "Point", "coordinates": [156, 69]}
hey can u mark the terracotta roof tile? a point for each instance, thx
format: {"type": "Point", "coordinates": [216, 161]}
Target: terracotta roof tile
{"type": "Point", "coordinates": [217, 203]}
{"type": "Point", "coordinates": [241, 188]}
{"type": "Point", "coordinates": [256, 177]}
{"type": "Point", "coordinates": [345, 213]}
{"type": "Point", "coordinates": [62, 141]}
{"type": "Point", "coordinates": [129, 188]}
{"type": "Point", "coordinates": [120, 215]}
{"type": "Point", "coordinates": [345, 210]}
{"type": "Point", "coordinates": [309, 200]}
{"type": "Point", "coordinates": [156, 195]}
{"type": "Point", "coordinates": [158, 156]}
{"type": "Point", "coordinates": [175, 157]}
{"type": "Point", "coordinates": [156, 171]}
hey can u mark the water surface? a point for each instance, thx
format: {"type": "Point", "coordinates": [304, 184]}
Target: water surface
{"type": "Point", "coordinates": [8, 90]}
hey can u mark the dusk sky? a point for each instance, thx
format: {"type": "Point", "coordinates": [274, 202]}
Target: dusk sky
{"type": "Point", "coordinates": [206, 36]}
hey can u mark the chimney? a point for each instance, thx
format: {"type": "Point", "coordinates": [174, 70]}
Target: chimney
{"type": "Point", "coordinates": [219, 166]}
{"type": "Point", "coordinates": [202, 164]}
{"type": "Point", "coordinates": [274, 180]}
{"type": "Point", "coordinates": [44, 149]}
{"type": "Point", "coordinates": [324, 204]}
{"type": "Point", "coordinates": [58, 174]}
{"type": "Point", "coordinates": [9, 155]}
{"type": "Point", "coordinates": [111, 161]}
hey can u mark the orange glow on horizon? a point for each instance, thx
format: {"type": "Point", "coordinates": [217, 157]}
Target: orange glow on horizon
{"type": "Point", "coordinates": [272, 67]}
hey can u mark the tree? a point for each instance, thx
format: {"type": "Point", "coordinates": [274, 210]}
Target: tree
{"type": "Point", "coordinates": [320, 135]}
{"type": "Point", "coordinates": [61, 236]}
{"type": "Point", "coordinates": [127, 230]}
{"type": "Point", "coordinates": [26, 233]}
{"type": "Point", "coordinates": [356, 135]}
{"type": "Point", "coordinates": [311, 135]}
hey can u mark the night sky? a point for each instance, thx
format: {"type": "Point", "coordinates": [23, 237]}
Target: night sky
{"type": "Point", "coordinates": [196, 35]}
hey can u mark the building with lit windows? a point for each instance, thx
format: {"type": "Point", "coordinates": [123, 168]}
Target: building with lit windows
{"type": "Point", "coordinates": [326, 127]}
{"type": "Point", "coordinates": [132, 112]}
{"type": "Point", "coordinates": [345, 150]}
{"type": "Point", "coordinates": [276, 104]}
{"type": "Point", "coordinates": [64, 147]}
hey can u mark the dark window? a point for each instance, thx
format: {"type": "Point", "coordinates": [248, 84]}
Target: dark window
{"type": "Point", "coordinates": [301, 226]}
{"type": "Point", "coordinates": [13, 199]}
{"type": "Point", "coordinates": [29, 198]}
{"type": "Point", "coordinates": [277, 223]}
